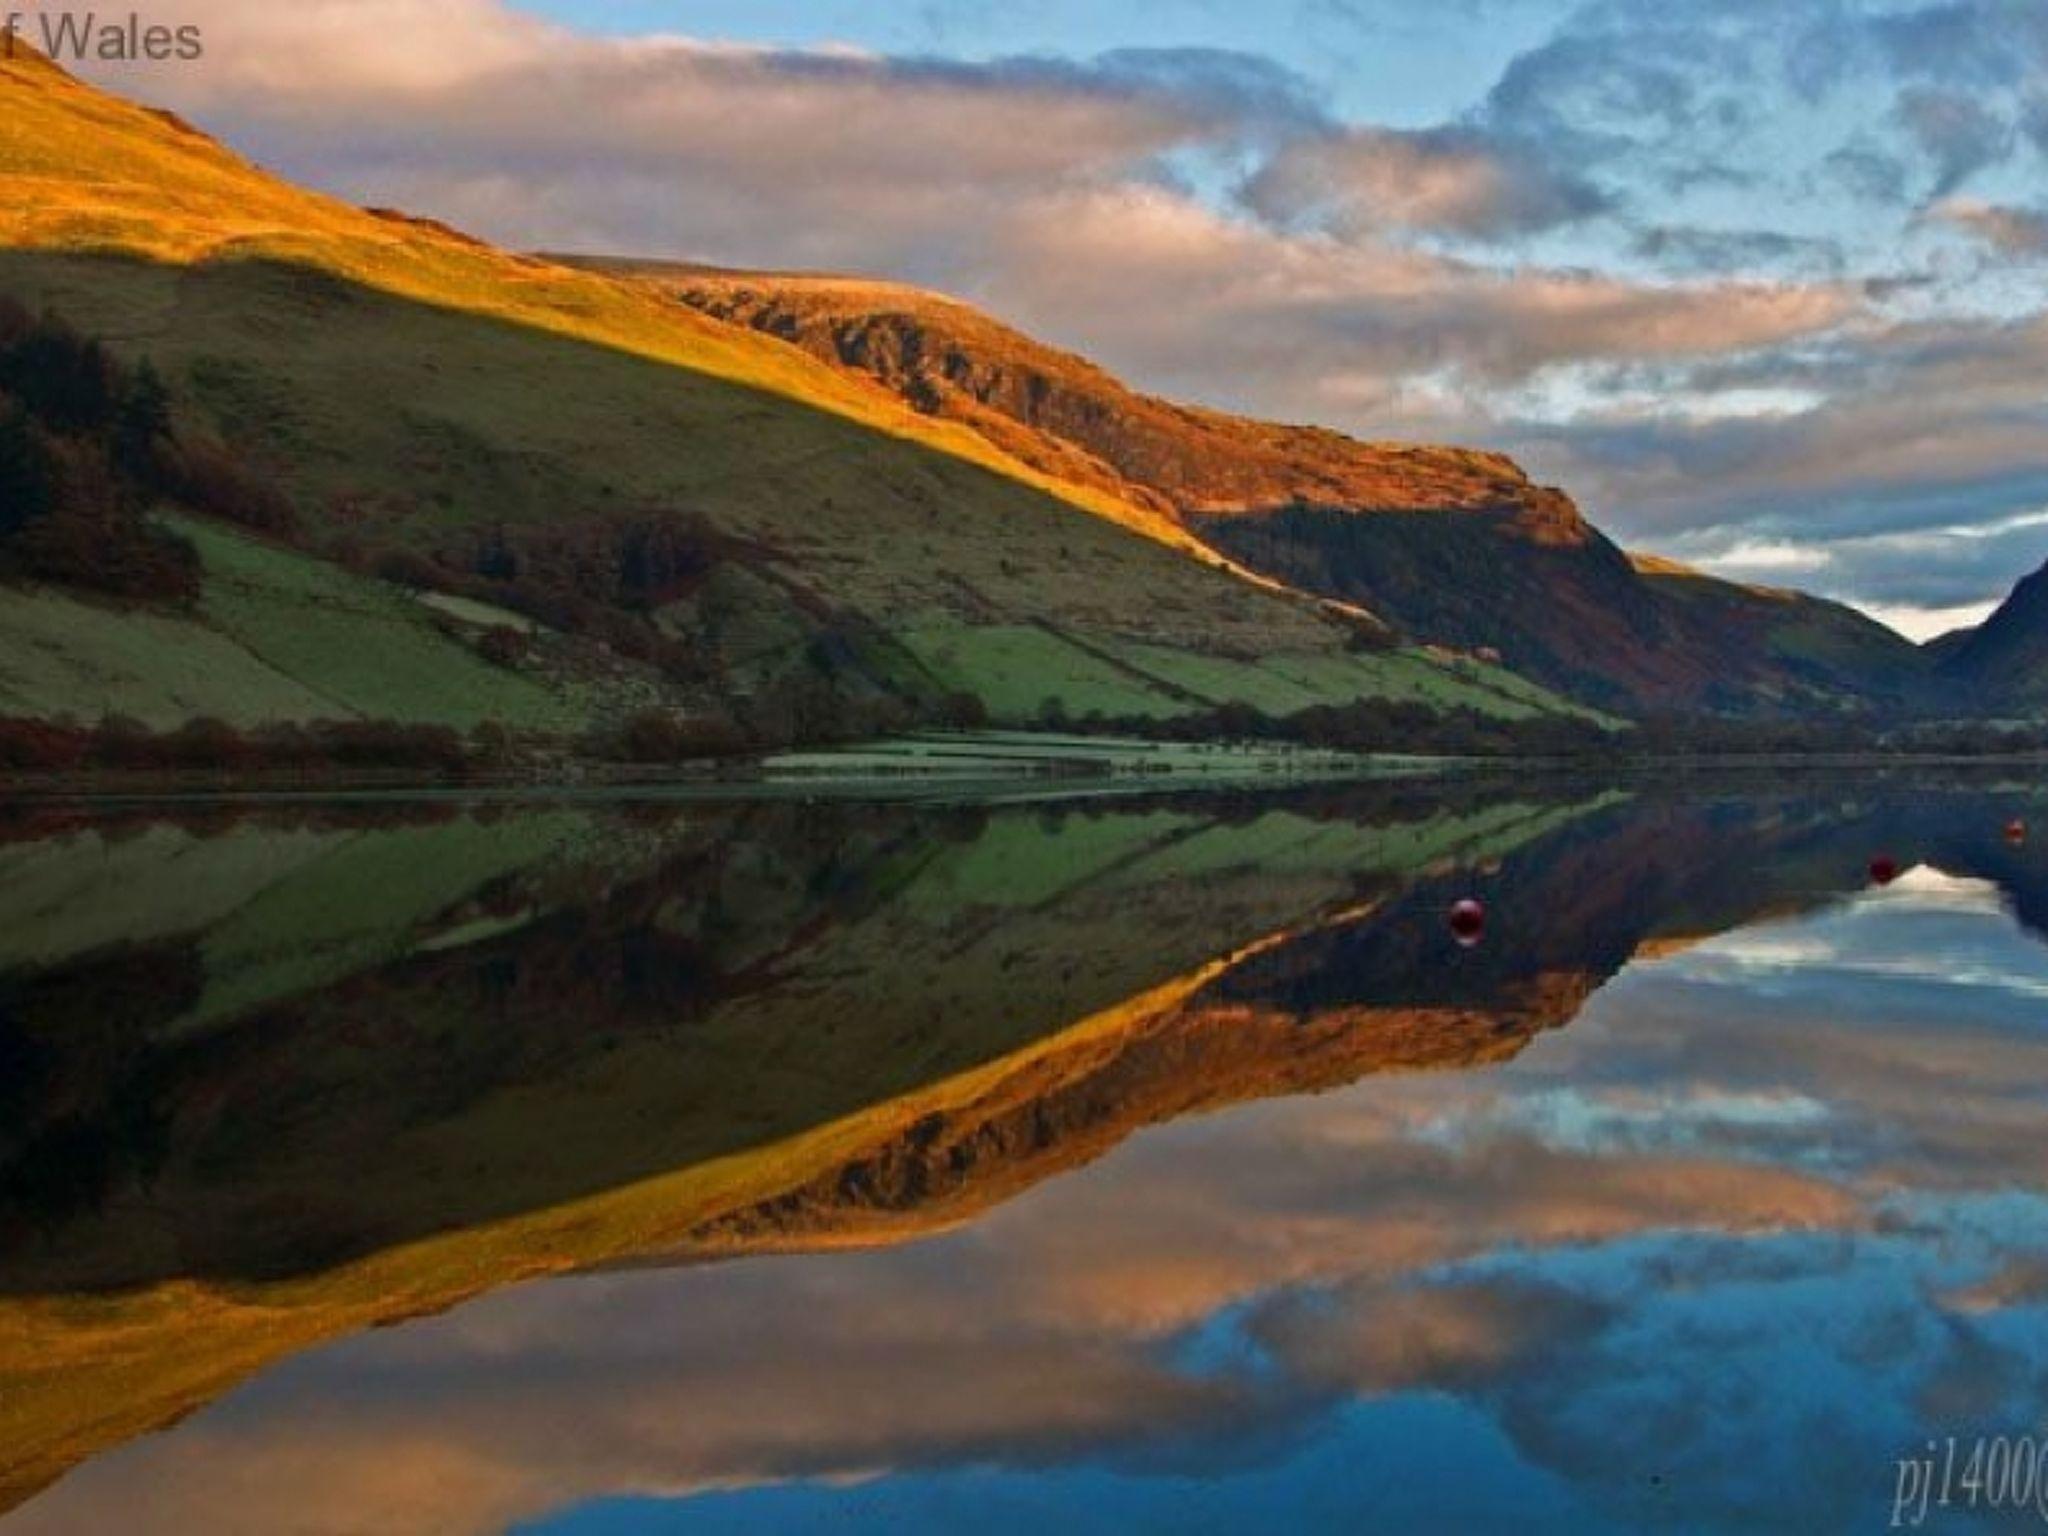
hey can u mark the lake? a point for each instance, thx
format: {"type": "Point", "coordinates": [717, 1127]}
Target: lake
{"type": "Point", "coordinates": [593, 1167]}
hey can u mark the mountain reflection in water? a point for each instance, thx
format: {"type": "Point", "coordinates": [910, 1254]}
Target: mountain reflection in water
{"type": "Point", "coordinates": [1765, 1216]}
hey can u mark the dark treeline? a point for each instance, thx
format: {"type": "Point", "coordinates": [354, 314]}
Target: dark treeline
{"type": "Point", "coordinates": [214, 746]}
{"type": "Point", "coordinates": [87, 447]}
{"type": "Point", "coordinates": [1377, 725]}
{"type": "Point", "coordinates": [1361, 725]}
{"type": "Point", "coordinates": [651, 737]}
{"type": "Point", "coordinates": [1676, 736]}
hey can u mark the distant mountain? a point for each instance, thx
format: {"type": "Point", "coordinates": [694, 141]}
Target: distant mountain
{"type": "Point", "coordinates": [1579, 614]}
{"type": "Point", "coordinates": [2003, 663]}
{"type": "Point", "coordinates": [1452, 546]}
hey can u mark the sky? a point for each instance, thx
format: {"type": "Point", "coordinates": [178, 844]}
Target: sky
{"type": "Point", "coordinates": [1765, 286]}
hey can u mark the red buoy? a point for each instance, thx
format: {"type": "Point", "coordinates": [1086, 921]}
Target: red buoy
{"type": "Point", "coordinates": [1468, 922]}
{"type": "Point", "coordinates": [2015, 831]}
{"type": "Point", "coordinates": [1884, 869]}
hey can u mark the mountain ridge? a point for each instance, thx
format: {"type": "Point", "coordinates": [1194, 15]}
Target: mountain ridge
{"type": "Point", "coordinates": [1457, 528]}
{"type": "Point", "coordinates": [1182, 457]}
{"type": "Point", "coordinates": [2004, 660]}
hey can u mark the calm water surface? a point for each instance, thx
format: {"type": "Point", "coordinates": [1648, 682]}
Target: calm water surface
{"type": "Point", "coordinates": [1157, 1165]}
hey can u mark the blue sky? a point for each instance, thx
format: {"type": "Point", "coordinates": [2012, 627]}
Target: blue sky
{"type": "Point", "coordinates": [1764, 285]}
{"type": "Point", "coordinates": [1398, 63]}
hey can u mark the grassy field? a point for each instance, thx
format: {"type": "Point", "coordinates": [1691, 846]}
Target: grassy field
{"type": "Point", "coordinates": [59, 656]}
{"type": "Point", "coordinates": [1019, 669]}
{"type": "Point", "coordinates": [364, 646]}
{"type": "Point", "coordinates": [388, 359]}
{"type": "Point", "coordinates": [277, 636]}
{"type": "Point", "coordinates": [1283, 683]}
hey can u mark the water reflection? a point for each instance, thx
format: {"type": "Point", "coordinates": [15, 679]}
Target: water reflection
{"type": "Point", "coordinates": [1768, 1213]}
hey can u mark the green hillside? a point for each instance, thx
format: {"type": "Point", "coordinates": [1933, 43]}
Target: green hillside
{"type": "Point", "coordinates": [415, 392]}
{"type": "Point", "coordinates": [276, 636]}
{"type": "Point", "coordinates": [1449, 545]}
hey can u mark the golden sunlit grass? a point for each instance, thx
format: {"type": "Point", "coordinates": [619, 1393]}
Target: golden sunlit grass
{"type": "Point", "coordinates": [82, 171]}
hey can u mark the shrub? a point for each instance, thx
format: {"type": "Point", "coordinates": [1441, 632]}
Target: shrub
{"type": "Point", "coordinates": [205, 475]}
{"type": "Point", "coordinates": [653, 736]}
{"type": "Point", "coordinates": [66, 381]}
{"type": "Point", "coordinates": [389, 744]}
{"type": "Point", "coordinates": [491, 743]}
{"type": "Point", "coordinates": [205, 743]}
{"type": "Point", "coordinates": [85, 447]}
{"type": "Point", "coordinates": [28, 479]}
{"type": "Point", "coordinates": [122, 742]}
{"type": "Point", "coordinates": [118, 742]}
{"type": "Point", "coordinates": [962, 711]}
{"type": "Point", "coordinates": [502, 645]}
{"type": "Point", "coordinates": [662, 736]}
{"type": "Point", "coordinates": [40, 745]}
{"type": "Point", "coordinates": [94, 536]}
{"type": "Point", "coordinates": [407, 568]}
{"type": "Point", "coordinates": [142, 426]}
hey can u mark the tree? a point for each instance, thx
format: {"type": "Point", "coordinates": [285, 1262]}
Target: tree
{"type": "Point", "coordinates": [142, 420]}
{"type": "Point", "coordinates": [502, 646]}
{"type": "Point", "coordinates": [28, 486]}
{"type": "Point", "coordinates": [496, 560]}
{"type": "Point", "coordinates": [63, 378]}
{"type": "Point", "coordinates": [961, 710]}
{"type": "Point", "coordinates": [492, 744]}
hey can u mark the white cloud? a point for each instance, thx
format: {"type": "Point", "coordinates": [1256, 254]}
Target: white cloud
{"type": "Point", "coordinates": [1927, 623]}
{"type": "Point", "coordinates": [1774, 557]}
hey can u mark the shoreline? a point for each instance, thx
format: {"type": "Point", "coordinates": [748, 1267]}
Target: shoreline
{"type": "Point", "coordinates": [761, 779]}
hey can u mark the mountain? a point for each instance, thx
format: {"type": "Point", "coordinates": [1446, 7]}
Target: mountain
{"type": "Point", "coordinates": [678, 512]}
{"type": "Point", "coordinates": [1451, 546]}
{"type": "Point", "coordinates": [1561, 603]}
{"type": "Point", "coordinates": [2003, 662]}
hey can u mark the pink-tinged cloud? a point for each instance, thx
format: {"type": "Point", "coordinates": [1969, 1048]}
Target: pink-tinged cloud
{"type": "Point", "coordinates": [1031, 180]}
{"type": "Point", "coordinates": [1173, 290]}
{"type": "Point", "coordinates": [1454, 181]}
{"type": "Point", "coordinates": [2019, 232]}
